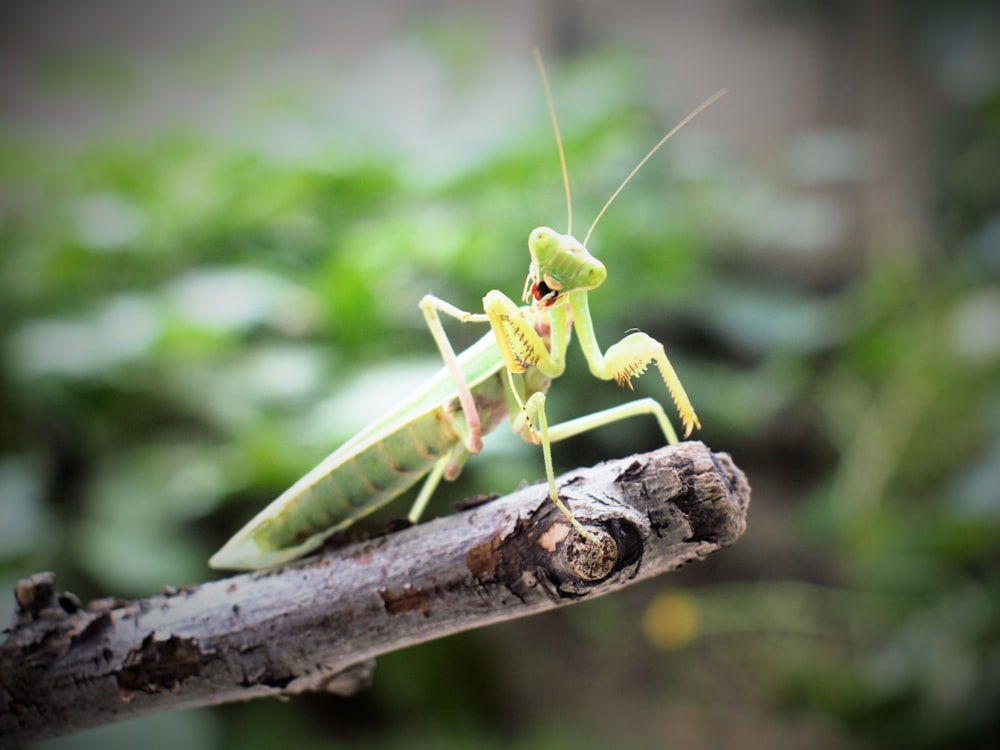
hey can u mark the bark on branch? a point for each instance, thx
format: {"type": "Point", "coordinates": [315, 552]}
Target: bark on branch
{"type": "Point", "coordinates": [318, 624]}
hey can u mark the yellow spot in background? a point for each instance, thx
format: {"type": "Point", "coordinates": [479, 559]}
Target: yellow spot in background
{"type": "Point", "coordinates": [671, 620]}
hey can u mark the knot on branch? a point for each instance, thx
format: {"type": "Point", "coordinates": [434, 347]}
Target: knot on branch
{"type": "Point", "coordinates": [577, 567]}
{"type": "Point", "coordinates": [589, 561]}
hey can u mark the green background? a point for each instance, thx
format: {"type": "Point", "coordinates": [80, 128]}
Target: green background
{"type": "Point", "coordinates": [212, 253]}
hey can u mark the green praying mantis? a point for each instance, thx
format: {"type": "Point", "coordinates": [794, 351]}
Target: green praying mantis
{"type": "Point", "coordinates": [506, 373]}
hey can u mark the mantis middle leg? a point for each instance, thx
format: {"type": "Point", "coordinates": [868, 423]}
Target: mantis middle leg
{"type": "Point", "coordinates": [430, 306]}
{"type": "Point", "coordinates": [533, 425]}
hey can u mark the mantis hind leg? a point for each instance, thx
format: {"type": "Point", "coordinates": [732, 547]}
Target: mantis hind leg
{"type": "Point", "coordinates": [533, 425]}
{"type": "Point", "coordinates": [635, 408]}
{"type": "Point", "coordinates": [447, 467]}
{"type": "Point", "coordinates": [430, 484]}
{"type": "Point", "coordinates": [431, 306]}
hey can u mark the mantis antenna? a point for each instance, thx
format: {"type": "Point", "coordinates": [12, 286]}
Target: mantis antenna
{"type": "Point", "coordinates": [559, 143]}
{"type": "Point", "coordinates": [694, 113]}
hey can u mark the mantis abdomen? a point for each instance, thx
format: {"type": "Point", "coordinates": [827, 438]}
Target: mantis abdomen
{"type": "Point", "coordinates": [350, 484]}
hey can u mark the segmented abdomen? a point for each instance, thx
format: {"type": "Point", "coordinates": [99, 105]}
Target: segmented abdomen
{"type": "Point", "coordinates": [361, 484]}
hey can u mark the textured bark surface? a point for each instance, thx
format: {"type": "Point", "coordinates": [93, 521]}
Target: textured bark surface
{"type": "Point", "coordinates": [318, 624]}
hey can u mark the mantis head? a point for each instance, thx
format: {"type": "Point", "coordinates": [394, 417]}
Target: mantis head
{"type": "Point", "coordinates": [559, 264]}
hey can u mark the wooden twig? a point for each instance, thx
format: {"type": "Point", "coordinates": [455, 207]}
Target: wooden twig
{"type": "Point", "coordinates": [318, 624]}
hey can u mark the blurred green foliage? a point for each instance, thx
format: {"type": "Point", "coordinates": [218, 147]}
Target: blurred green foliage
{"type": "Point", "coordinates": [189, 321]}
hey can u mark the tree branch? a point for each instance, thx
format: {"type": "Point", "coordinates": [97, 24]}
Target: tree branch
{"type": "Point", "coordinates": [318, 624]}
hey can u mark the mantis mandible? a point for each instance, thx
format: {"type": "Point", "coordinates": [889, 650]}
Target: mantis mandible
{"type": "Point", "coordinates": [507, 372]}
